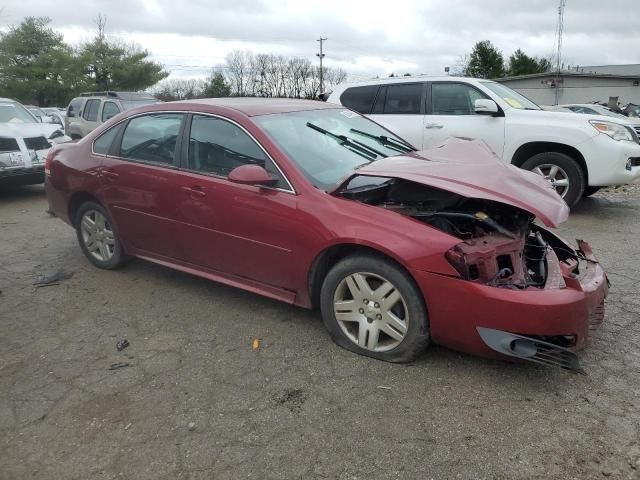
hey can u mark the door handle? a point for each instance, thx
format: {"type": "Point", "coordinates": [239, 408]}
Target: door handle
{"type": "Point", "coordinates": [434, 125]}
{"type": "Point", "coordinates": [110, 173]}
{"type": "Point", "coordinates": [195, 190]}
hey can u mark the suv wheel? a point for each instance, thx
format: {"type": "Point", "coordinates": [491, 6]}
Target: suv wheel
{"type": "Point", "coordinates": [562, 171]}
{"type": "Point", "coordinates": [372, 307]}
{"type": "Point", "coordinates": [98, 237]}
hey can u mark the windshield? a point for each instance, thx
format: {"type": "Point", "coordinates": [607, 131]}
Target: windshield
{"type": "Point", "coordinates": [328, 145]}
{"type": "Point", "coordinates": [511, 97]}
{"type": "Point", "coordinates": [12, 112]}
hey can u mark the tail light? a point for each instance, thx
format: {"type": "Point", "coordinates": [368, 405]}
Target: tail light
{"type": "Point", "coordinates": [49, 160]}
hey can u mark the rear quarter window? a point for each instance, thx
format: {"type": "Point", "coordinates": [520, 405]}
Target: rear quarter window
{"type": "Point", "coordinates": [360, 99]}
{"type": "Point", "coordinates": [102, 144]}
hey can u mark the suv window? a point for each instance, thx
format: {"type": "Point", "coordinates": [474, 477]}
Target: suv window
{"type": "Point", "coordinates": [109, 110]}
{"type": "Point", "coordinates": [217, 146]}
{"type": "Point", "coordinates": [403, 98]}
{"type": "Point", "coordinates": [454, 99]}
{"type": "Point", "coordinates": [90, 113]}
{"type": "Point", "coordinates": [74, 107]}
{"type": "Point", "coordinates": [102, 144]}
{"type": "Point", "coordinates": [151, 138]}
{"type": "Point", "coordinates": [359, 99]}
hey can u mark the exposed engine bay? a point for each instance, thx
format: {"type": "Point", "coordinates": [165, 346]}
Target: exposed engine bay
{"type": "Point", "coordinates": [501, 245]}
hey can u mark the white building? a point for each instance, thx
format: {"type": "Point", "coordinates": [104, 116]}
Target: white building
{"type": "Point", "coordinates": [580, 85]}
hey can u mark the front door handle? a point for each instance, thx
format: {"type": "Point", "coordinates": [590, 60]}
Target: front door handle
{"type": "Point", "coordinates": [434, 125]}
{"type": "Point", "coordinates": [195, 190]}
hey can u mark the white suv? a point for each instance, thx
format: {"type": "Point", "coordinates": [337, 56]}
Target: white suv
{"type": "Point", "coordinates": [577, 153]}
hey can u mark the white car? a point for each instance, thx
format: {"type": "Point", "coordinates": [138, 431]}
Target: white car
{"type": "Point", "coordinates": [577, 153]}
{"type": "Point", "coordinates": [24, 144]}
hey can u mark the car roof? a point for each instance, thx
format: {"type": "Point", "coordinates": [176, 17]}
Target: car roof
{"type": "Point", "coordinates": [9, 100]}
{"type": "Point", "coordinates": [254, 106]}
{"type": "Point", "coordinates": [414, 79]}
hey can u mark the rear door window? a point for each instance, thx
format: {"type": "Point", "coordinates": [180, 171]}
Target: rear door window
{"type": "Point", "coordinates": [90, 113]}
{"type": "Point", "coordinates": [403, 98]}
{"type": "Point", "coordinates": [152, 138]}
{"type": "Point", "coordinates": [360, 99]}
{"type": "Point", "coordinates": [109, 110]}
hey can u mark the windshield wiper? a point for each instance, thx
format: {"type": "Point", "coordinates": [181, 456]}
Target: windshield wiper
{"type": "Point", "coordinates": [392, 143]}
{"type": "Point", "coordinates": [355, 146]}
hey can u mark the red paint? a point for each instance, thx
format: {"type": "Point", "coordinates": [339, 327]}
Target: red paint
{"type": "Point", "coordinates": [266, 240]}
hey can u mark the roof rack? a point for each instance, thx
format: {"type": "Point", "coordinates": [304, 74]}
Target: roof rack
{"type": "Point", "coordinates": [126, 96]}
{"type": "Point", "coordinates": [99, 94]}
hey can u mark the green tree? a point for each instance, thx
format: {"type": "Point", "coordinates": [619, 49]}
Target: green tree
{"type": "Point", "coordinates": [36, 66]}
{"type": "Point", "coordinates": [485, 61]}
{"type": "Point", "coordinates": [114, 65]}
{"type": "Point", "coordinates": [522, 64]}
{"type": "Point", "coordinates": [217, 87]}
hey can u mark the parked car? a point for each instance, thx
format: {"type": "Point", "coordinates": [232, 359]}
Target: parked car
{"type": "Point", "coordinates": [91, 109]}
{"type": "Point", "coordinates": [313, 204]}
{"type": "Point", "coordinates": [576, 154]}
{"type": "Point", "coordinates": [593, 109]}
{"type": "Point", "coordinates": [38, 113]}
{"type": "Point", "coordinates": [24, 143]}
{"type": "Point", "coordinates": [57, 116]}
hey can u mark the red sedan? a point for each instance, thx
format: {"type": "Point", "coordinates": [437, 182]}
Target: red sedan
{"type": "Point", "coordinates": [315, 205]}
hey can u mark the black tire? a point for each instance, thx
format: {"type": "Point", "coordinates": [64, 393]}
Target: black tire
{"type": "Point", "coordinates": [118, 257]}
{"type": "Point", "coordinates": [416, 338]}
{"type": "Point", "coordinates": [573, 170]}
{"type": "Point", "coordinates": [588, 191]}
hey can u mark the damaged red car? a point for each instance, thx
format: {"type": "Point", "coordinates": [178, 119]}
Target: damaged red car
{"type": "Point", "coordinates": [315, 205]}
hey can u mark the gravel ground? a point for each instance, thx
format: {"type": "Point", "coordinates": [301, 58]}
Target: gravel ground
{"type": "Point", "coordinates": [191, 399]}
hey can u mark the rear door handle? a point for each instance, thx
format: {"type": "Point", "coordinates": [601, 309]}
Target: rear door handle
{"type": "Point", "coordinates": [110, 173]}
{"type": "Point", "coordinates": [434, 125]}
{"type": "Point", "coordinates": [195, 190]}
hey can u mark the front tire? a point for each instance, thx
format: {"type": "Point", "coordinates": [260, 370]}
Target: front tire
{"type": "Point", "coordinates": [372, 307]}
{"type": "Point", "coordinates": [562, 171]}
{"type": "Point", "coordinates": [98, 237]}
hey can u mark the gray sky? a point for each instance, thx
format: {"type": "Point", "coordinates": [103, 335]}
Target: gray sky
{"type": "Point", "coordinates": [366, 37]}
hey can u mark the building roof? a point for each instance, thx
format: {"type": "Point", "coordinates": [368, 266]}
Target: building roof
{"type": "Point", "coordinates": [567, 73]}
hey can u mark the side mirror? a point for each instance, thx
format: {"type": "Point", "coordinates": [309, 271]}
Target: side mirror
{"type": "Point", "coordinates": [252, 175]}
{"type": "Point", "coordinates": [484, 106]}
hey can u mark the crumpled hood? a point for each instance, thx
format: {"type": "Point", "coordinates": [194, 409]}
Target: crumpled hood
{"type": "Point", "coordinates": [469, 168]}
{"type": "Point", "coordinates": [26, 130]}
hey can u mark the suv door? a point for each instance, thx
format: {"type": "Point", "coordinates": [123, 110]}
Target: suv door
{"type": "Point", "coordinates": [400, 108]}
{"type": "Point", "coordinates": [89, 116]}
{"type": "Point", "coordinates": [73, 119]}
{"type": "Point", "coordinates": [139, 183]}
{"type": "Point", "coordinates": [451, 113]}
{"type": "Point", "coordinates": [241, 230]}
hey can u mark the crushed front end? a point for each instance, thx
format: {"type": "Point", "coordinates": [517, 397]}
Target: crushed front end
{"type": "Point", "coordinates": [520, 291]}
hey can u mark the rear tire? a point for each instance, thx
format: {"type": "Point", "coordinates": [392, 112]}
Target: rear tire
{"type": "Point", "coordinates": [386, 318]}
{"type": "Point", "coordinates": [98, 237]}
{"type": "Point", "coordinates": [562, 171]}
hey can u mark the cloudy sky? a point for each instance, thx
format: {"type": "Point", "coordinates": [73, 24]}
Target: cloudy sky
{"type": "Point", "coordinates": [365, 37]}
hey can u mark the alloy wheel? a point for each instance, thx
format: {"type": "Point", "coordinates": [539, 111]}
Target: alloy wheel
{"type": "Point", "coordinates": [556, 176]}
{"type": "Point", "coordinates": [371, 311]}
{"type": "Point", "coordinates": [97, 235]}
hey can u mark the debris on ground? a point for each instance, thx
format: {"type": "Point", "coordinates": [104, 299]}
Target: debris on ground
{"type": "Point", "coordinates": [191, 426]}
{"type": "Point", "coordinates": [256, 344]}
{"type": "Point", "coordinates": [53, 279]}
{"type": "Point", "coordinates": [293, 398]}
{"type": "Point", "coordinates": [127, 426]}
{"type": "Point", "coordinates": [383, 387]}
{"type": "Point", "coordinates": [122, 344]}
{"type": "Point", "coordinates": [116, 366]}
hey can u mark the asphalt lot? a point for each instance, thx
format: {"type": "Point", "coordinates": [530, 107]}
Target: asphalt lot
{"type": "Point", "coordinates": [298, 406]}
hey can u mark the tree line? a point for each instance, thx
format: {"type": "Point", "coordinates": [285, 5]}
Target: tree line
{"type": "Point", "coordinates": [249, 74]}
{"type": "Point", "coordinates": [37, 66]}
{"type": "Point", "coordinates": [486, 61]}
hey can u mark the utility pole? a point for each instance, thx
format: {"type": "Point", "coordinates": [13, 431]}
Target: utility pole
{"type": "Point", "coordinates": [321, 55]}
{"type": "Point", "coordinates": [563, 3]}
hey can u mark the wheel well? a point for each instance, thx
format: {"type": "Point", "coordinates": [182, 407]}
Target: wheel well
{"type": "Point", "coordinates": [528, 150]}
{"type": "Point", "coordinates": [332, 255]}
{"type": "Point", "coordinates": [76, 200]}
